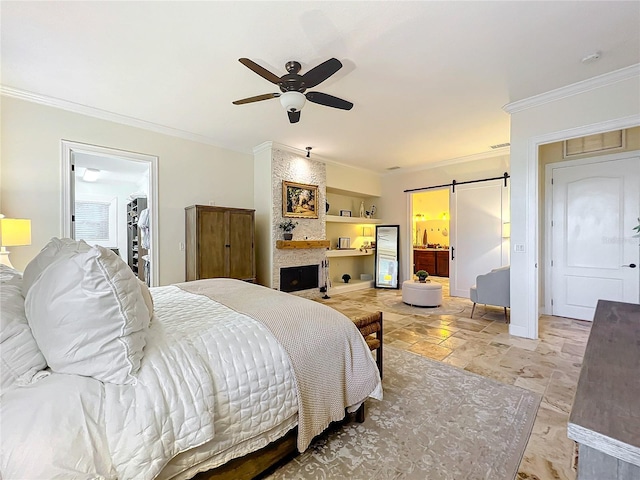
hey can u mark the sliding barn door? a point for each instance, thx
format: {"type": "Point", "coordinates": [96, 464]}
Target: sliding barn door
{"type": "Point", "coordinates": [476, 228]}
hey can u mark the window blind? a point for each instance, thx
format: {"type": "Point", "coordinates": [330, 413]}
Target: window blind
{"type": "Point", "coordinates": [92, 221]}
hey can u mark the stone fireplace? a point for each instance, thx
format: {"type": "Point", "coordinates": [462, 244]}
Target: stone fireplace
{"type": "Point", "coordinates": [294, 279]}
{"type": "Point", "coordinates": [273, 164]}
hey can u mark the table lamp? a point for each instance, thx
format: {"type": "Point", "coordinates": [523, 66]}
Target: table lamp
{"type": "Point", "coordinates": [14, 232]}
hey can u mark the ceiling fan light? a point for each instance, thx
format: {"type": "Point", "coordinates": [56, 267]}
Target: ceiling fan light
{"type": "Point", "coordinates": [292, 101]}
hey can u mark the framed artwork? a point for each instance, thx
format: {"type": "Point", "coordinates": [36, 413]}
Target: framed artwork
{"type": "Point", "coordinates": [345, 213]}
{"type": "Point", "coordinates": [299, 200]}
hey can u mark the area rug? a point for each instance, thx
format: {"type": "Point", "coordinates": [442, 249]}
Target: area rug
{"type": "Point", "coordinates": [435, 422]}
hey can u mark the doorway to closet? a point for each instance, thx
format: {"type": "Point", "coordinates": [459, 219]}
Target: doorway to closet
{"type": "Point", "coordinates": [109, 200]}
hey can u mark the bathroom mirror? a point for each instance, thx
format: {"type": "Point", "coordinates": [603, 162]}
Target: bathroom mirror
{"type": "Point", "coordinates": [387, 243]}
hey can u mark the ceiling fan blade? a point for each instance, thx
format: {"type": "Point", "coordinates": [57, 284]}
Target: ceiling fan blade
{"type": "Point", "coordinates": [263, 72]}
{"type": "Point", "coordinates": [294, 117]}
{"type": "Point", "coordinates": [257, 98]}
{"type": "Point", "coordinates": [328, 100]}
{"type": "Point", "coordinates": [320, 73]}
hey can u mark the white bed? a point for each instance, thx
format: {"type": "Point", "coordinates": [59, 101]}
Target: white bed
{"type": "Point", "coordinates": [213, 384]}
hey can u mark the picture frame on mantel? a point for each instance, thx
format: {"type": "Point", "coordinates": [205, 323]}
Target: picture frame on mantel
{"type": "Point", "coordinates": [299, 200]}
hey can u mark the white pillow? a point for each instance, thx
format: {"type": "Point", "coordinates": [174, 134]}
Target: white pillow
{"type": "Point", "coordinates": [21, 361]}
{"type": "Point", "coordinates": [88, 315]}
{"type": "Point", "coordinates": [9, 275]}
{"type": "Point", "coordinates": [56, 249]}
{"type": "Point", "coordinates": [146, 294]}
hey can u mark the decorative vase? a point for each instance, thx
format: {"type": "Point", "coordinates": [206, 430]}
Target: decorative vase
{"type": "Point", "coordinates": [422, 279]}
{"type": "Point", "coordinates": [288, 236]}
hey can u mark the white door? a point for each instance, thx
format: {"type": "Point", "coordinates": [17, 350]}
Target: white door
{"type": "Point", "coordinates": [476, 232]}
{"type": "Point", "coordinates": [594, 209]}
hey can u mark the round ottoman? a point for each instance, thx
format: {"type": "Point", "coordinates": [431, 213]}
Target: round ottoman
{"type": "Point", "coordinates": [428, 294]}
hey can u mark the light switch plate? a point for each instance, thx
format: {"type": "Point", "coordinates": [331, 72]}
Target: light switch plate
{"type": "Point", "coordinates": [518, 248]}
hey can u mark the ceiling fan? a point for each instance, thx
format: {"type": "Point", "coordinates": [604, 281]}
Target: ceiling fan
{"type": "Point", "coordinates": [293, 86]}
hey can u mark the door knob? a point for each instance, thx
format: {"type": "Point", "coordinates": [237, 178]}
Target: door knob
{"type": "Point", "coordinates": [631, 265]}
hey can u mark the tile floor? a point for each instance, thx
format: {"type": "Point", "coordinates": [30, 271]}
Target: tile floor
{"type": "Point", "coordinates": [549, 366]}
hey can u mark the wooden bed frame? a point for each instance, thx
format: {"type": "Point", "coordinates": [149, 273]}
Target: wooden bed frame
{"type": "Point", "coordinates": [261, 462]}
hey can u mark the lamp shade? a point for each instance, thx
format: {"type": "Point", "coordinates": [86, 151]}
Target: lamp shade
{"type": "Point", "coordinates": [15, 232]}
{"type": "Point", "coordinates": [292, 101]}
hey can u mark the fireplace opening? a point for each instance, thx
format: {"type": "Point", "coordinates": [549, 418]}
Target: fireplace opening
{"type": "Point", "coordinates": [293, 279]}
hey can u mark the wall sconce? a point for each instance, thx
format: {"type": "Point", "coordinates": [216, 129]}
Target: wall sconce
{"type": "Point", "coordinates": [444, 215]}
{"type": "Point", "coordinates": [506, 230]}
{"type": "Point", "coordinates": [367, 232]}
{"type": "Point", "coordinates": [14, 232]}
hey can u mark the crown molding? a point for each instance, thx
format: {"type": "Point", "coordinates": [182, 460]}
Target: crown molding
{"type": "Point", "coordinates": [303, 153]}
{"type": "Point", "coordinates": [616, 76]}
{"type": "Point", "coordinates": [498, 152]}
{"type": "Point", "coordinates": [104, 115]}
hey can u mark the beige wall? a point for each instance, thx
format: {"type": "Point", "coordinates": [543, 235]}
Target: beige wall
{"type": "Point", "coordinates": [353, 180]}
{"type": "Point", "coordinates": [189, 173]}
{"type": "Point", "coordinates": [395, 205]}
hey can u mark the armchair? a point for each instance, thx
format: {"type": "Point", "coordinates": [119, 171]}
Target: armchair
{"type": "Point", "coordinates": [492, 289]}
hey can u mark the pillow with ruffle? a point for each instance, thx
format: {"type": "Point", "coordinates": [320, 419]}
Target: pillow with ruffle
{"type": "Point", "coordinates": [148, 299]}
{"type": "Point", "coordinates": [88, 316]}
{"type": "Point", "coordinates": [56, 249]}
{"type": "Point", "coordinates": [21, 361]}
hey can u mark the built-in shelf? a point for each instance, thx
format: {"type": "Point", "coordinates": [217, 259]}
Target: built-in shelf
{"type": "Point", "coordinates": [301, 244]}
{"type": "Point", "coordinates": [349, 253]}
{"type": "Point", "coordinates": [360, 220]}
{"type": "Point", "coordinates": [353, 285]}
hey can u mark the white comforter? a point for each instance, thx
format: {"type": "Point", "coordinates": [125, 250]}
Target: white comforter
{"type": "Point", "coordinates": [207, 372]}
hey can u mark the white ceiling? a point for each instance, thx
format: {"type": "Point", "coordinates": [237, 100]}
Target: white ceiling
{"type": "Point", "coordinates": [428, 79]}
{"type": "Point", "coordinates": [112, 169]}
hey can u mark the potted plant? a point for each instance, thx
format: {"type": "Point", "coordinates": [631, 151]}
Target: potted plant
{"type": "Point", "coordinates": [346, 277]}
{"type": "Point", "coordinates": [422, 276]}
{"type": "Point", "coordinates": [287, 227]}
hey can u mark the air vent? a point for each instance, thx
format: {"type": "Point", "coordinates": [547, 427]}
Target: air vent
{"type": "Point", "coordinates": [500, 145]}
{"type": "Point", "coordinates": [594, 143]}
{"type": "Point", "coordinates": [393, 168]}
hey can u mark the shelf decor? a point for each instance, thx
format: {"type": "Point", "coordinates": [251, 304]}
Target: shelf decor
{"type": "Point", "coordinates": [422, 276]}
{"type": "Point", "coordinates": [287, 227]}
{"type": "Point", "coordinates": [299, 200]}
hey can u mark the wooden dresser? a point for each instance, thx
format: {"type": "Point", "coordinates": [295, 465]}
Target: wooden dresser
{"type": "Point", "coordinates": [220, 243]}
{"type": "Point", "coordinates": [605, 417]}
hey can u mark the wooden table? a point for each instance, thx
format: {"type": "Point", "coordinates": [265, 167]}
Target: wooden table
{"type": "Point", "coordinates": [605, 418]}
